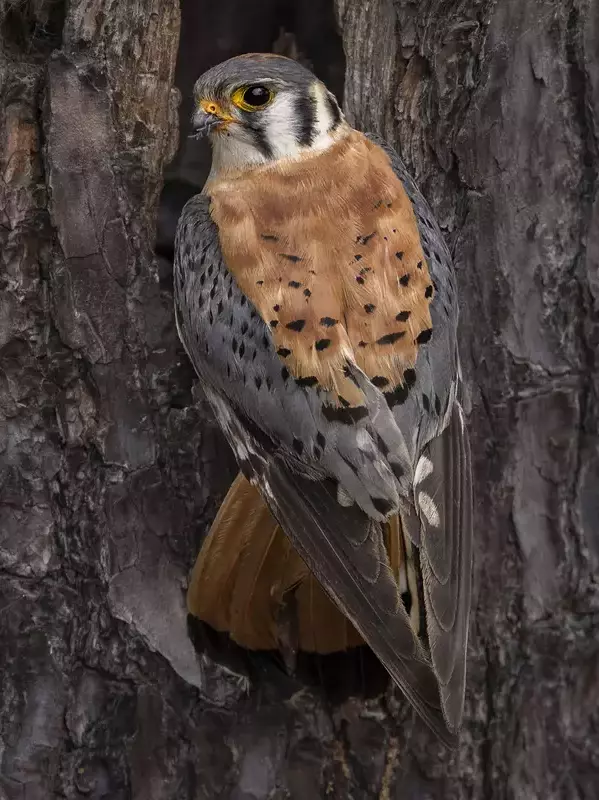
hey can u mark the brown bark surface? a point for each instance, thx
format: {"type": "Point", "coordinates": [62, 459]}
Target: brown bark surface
{"type": "Point", "coordinates": [111, 467]}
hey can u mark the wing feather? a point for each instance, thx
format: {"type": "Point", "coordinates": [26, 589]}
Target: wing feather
{"type": "Point", "coordinates": [352, 565]}
{"type": "Point", "coordinates": [444, 495]}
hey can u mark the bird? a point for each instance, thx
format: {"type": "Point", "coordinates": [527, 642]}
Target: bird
{"type": "Point", "coordinates": [316, 299]}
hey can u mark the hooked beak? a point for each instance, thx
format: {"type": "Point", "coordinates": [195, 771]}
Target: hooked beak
{"type": "Point", "coordinates": [209, 116]}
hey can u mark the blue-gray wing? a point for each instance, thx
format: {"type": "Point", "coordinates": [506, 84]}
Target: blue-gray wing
{"type": "Point", "coordinates": [442, 491]}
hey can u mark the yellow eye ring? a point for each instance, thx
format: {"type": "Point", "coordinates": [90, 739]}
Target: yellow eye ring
{"type": "Point", "coordinates": [254, 97]}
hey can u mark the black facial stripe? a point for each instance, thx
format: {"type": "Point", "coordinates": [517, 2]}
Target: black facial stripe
{"type": "Point", "coordinates": [260, 140]}
{"type": "Point", "coordinates": [306, 115]}
{"type": "Point", "coordinates": [334, 111]}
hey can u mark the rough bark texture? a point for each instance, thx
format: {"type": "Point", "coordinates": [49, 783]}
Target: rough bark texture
{"type": "Point", "coordinates": [110, 471]}
{"type": "Point", "coordinates": [495, 106]}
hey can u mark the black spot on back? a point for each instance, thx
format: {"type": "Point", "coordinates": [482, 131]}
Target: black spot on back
{"type": "Point", "coordinates": [398, 396]}
{"type": "Point", "coordinates": [322, 344]}
{"type": "Point", "coordinates": [424, 336]}
{"type": "Point", "coordinates": [382, 505]}
{"type": "Point", "coordinates": [328, 322]}
{"type": "Point", "coordinates": [369, 308]}
{"type": "Point", "coordinates": [297, 325]}
{"type": "Point", "coordinates": [310, 380]}
{"type": "Point", "coordinates": [397, 470]}
{"type": "Point", "coordinates": [404, 280]}
{"type": "Point", "coordinates": [380, 381]}
{"type": "Point", "coordinates": [390, 338]}
{"type": "Point", "coordinates": [365, 239]}
{"type": "Point", "coordinates": [403, 316]}
{"type": "Point", "coordinates": [346, 416]}
{"type": "Point", "coordinates": [409, 377]}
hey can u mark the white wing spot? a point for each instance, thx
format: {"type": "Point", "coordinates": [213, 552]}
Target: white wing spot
{"type": "Point", "coordinates": [429, 509]}
{"type": "Point", "coordinates": [423, 469]}
{"type": "Point", "coordinates": [343, 498]}
{"type": "Point", "coordinates": [363, 440]}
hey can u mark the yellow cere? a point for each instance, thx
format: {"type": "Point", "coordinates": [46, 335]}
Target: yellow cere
{"type": "Point", "coordinates": [212, 107]}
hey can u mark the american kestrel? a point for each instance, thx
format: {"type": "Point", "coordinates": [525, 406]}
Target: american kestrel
{"type": "Point", "coordinates": [316, 299]}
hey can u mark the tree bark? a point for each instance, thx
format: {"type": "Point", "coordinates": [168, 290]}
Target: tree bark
{"type": "Point", "coordinates": [495, 107]}
{"type": "Point", "coordinates": [111, 467]}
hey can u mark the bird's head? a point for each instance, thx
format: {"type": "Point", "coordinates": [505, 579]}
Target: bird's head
{"type": "Point", "coordinates": [259, 108]}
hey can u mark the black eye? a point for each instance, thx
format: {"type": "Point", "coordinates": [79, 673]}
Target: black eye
{"type": "Point", "coordinates": [256, 96]}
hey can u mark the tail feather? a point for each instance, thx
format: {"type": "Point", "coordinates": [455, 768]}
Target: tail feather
{"type": "Point", "coordinates": [247, 574]}
{"type": "Point", "coordinates": [225, 589]}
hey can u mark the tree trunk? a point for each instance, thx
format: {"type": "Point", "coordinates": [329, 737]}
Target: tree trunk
{"type": "Point", "coordinates": [111, 467]}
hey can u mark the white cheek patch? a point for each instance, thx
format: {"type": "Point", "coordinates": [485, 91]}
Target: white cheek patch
{"type": "Point", "coordinates": [324, 119]}
{"type": "Point", "coordinates": [280, 126]}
